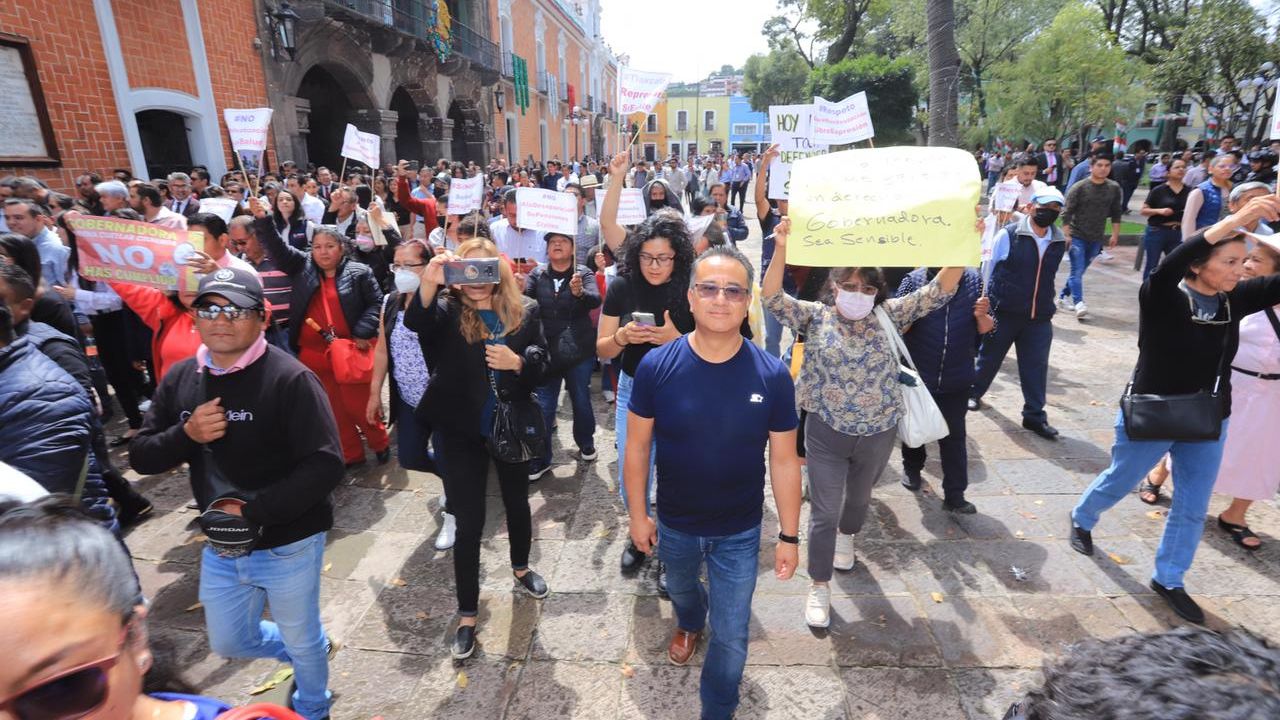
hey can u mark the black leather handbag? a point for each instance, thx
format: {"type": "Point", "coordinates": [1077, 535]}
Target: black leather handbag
{"type": "Point", "coordinates": [519, 430]}
{"type": "Point", "coordinates": [1183, 418]}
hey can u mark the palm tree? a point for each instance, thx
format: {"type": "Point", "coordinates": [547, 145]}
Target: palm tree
{"type": "Point", "coordinates": [944, 73]}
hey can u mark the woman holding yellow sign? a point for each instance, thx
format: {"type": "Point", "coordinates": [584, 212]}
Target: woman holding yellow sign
{"type": "Point", "coordinates": [849, 384]}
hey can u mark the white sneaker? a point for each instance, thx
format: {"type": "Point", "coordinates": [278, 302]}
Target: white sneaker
{"type": "Point", "coordinates": [144, 407]}
{"type": "Point", "coordinates": [1082, 310]}
{"type": "Point", "coordinates": [1105, 257]}
{"type": "Point", "coordinates": [448, 532]}
{"type": "Point", "coordinates": [817, 609]}
{"type": "Point", "coordinates": [609, 397]}
{"type": "Point", "coordinates": [844, 558]}
{"type": "Point", "coordinates": [1065, 303]}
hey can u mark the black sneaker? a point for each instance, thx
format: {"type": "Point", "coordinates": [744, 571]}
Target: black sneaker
{"type": "Point", "coordinates": [533, 584]}
{"type": "Point", "coordinates": [911, 479]}
{"type": "Point", "coordinates": [1181, 602]}
{"type": "Point", "coordinates": [464, 642]}
{"type": "Point", "coordinates": [662, 581]}
{"type": "Point", "coordinates": [974, 404]}
{"type": "Point", "coordinates": [960, 507]}
{"type": "Point", "coordinates": [1081, 539]}
{"type": "Point", "coordinates": [134, 510]}
{"type": "Point", "coordinates": [632, 558]}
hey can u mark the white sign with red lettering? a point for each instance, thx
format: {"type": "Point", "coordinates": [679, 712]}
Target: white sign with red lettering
{"type": "Point", "coordinates": [362, 146]}
{"type": "Point", "coordinates": [547, 210]}
{"type": "Point", "coordinates": [465, 194]}
{"type": "Point", "coordinates": [248, 128]}
{"type": "Point", "coordinates": [631, 208]}
{"type": "Point", "coordinates": [639, 91]}
{"type": "Point", "coordinates": [847, 121]}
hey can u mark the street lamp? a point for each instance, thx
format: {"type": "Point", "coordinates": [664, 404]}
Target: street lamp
{"type": "Point", "coordinates": [499, 99]}
{"type": "Point", "coordinates": [282, 23]}
{"type": "Point", "coordinates": [578, 117]}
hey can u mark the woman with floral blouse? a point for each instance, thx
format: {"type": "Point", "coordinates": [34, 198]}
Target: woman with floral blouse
{"type": "Point", "coordinates": [849, 386]}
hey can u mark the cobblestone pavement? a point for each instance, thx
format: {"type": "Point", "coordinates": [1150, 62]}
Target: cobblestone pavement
{"type": "Point", "coordinates": [943, 617]}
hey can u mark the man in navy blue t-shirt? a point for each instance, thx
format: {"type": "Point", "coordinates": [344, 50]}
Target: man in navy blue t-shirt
{"type": "Point", "coordinates": [712, 401]}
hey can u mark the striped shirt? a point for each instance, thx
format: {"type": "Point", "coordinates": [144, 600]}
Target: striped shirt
{"type": "Point", "coordinates": [276, 287]}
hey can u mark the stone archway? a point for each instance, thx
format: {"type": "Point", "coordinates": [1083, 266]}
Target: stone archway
{"type": "Point", "coordinates": [332, 106]}
{"type": "Point", "coordinates": [408, 138]}
{"type": "Point", "coordinates": [469, 141]}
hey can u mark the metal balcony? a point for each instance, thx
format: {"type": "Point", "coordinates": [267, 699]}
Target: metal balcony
{"type": "Point", "coordinates": [473, 46]}
{"type": "Point", "coordinates": [410, 18]}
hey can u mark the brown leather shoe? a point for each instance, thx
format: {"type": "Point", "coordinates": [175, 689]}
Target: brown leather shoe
{"type": "Point", "coordinates": [683, 645]}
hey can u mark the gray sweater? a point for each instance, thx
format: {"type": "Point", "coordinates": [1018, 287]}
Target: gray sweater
{"type": "Point", "coordinates": [1089, 205]}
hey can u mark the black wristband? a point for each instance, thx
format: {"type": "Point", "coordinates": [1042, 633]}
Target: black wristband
{"type": "Point", "coordinates": [793, 539]}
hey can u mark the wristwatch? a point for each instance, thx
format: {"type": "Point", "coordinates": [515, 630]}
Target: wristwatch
{"type": "Point", "coordinates": [793, 539]}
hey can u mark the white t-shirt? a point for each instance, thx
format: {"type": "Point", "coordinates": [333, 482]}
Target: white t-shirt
{"type": "Point", "coordinates": [312, 208]}
{"type": "Point", "coordinates": [525, 243]}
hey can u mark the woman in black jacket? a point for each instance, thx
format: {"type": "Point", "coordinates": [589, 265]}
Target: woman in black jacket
{"type": "Point", "coordinates": [484, 342]}
{"type": "Point", "coordinates": [289, 222]}
{"type": "Point", "coordinates": [1189, 327]}
{"type": "Point", "coordinates": [566, 295]}
{"type": "Point", "coordinates": [331, 294]}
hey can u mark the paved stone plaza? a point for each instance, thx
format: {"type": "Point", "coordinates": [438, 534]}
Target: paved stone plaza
{"type": "Point", "coordinates": [944, 617]}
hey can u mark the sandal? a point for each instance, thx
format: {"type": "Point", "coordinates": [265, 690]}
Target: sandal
{"type": "Point", "coordinates": [1149, 488]}
{"type": "Point", "coordinates": [1239, 533]}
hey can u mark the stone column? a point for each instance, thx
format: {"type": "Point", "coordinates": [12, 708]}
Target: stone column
{"type": "Point", "coordinates": [383, 124]}
{"type": "Point", "coordinates": [297, 126]}
{"type": "Point", "coordinates": [437, 134]}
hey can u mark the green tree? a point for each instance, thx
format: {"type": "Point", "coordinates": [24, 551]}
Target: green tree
{"type": "Point", "coordinates": [775, 79]}
{"type": "Point", "coordinates": [1073, 75]}
{"type": "Point", "coordinates": [839, 24]}
{"type": "Point", "coordinates": [891, 96]}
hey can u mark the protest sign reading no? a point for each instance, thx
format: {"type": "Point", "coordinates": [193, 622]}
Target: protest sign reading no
{"type": "Point", "coordinates": [135, 252]}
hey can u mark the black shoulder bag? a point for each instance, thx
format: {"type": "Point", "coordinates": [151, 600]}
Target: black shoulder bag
{"type": "Point", "coordinates": [230, 536]}
{"type": "Point", "coordinates": [1181, 418]}
{"type": "Point", "coordinates": [519, 430]}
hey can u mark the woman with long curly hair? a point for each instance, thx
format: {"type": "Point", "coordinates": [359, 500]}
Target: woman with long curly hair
{"type": "Point", "coordinates": [486, 344]}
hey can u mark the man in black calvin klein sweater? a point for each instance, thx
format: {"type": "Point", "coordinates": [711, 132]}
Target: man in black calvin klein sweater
{"type": "Point", "coordinates": [256, 428]}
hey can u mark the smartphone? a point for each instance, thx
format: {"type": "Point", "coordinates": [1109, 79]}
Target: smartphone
{"type": "Point", "coordinates": [644, 318]}
{"type": "Point", "coordinates": [472, 271]}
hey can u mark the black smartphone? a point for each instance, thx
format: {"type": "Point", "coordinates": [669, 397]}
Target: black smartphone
{"type": "Point", "coordinates": [472, 271]}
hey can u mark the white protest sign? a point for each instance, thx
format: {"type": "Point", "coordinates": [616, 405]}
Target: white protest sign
{"type": "Point", "coordinates": [465, 194]}
{"type": "Point", "coordinates": [789, 125]}
{"type": "Point", "coordinates": [1005, 197]}
{"type": "Point", "coordinates": [989, 227]}
{"type": "Point", "coordinates": [631, 208]}
{"type": "Point", "coordinates": [547, 210]}
{"type": "Point", "coordinates": [1275, 119]}
{"type": "Point", "coordinates": [847, 121]}
{"type": "Point", "coordinates": [362, 146]}
{"type": "Point", "coordinates": [698, 225]}
{"type": "Point", "coordinates": [639, 91]}
{"type": "Point", "coordinates": [223, 207]}
{"type": "Point", "coordinates": [248, 128]}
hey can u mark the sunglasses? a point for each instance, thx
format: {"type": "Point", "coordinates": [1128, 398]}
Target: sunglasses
{"type": "Point", "coordinates": [732, 293]}
{"type": "Point", "coordinates": [73, 693]}
{"type": "Point", "coordinates": [230, 312]}
{"type": "Point", "coordinates": [1198, 319]}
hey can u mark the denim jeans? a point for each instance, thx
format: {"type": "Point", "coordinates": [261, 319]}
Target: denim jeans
{"type": "Point", "coordinates": [1033, 339]}
{"type": "Point", "coordinates": [1157, 241]}
{"type": "Point", "coordinates": [1080, 254]}
{"type": "Point", "coordinates": [412, 439]}
{"type": "Point", "coordinates": [234, 592]}
{"type": "Point", "coordinates": [1196, 466]}
{"type": "Point", "coordinates": [620, 432]}
{"type": "Point", "coordinates": [577, 380]}
{"type": "Point", "coordinates": [279, 337]}
{"type": "Point", "coordinates": [772, 334]}
{"type": "Point", "coordinates": [731, 575]}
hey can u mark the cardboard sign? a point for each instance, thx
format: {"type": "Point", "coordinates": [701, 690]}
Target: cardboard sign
{"type": "Point", "coordinates": [465, 195]}
{"type": "Point", "coordinates": [631, 207]}
{"type": "Point", "coordinates": [223, 207]}
{"type": "Point", "coordinates": [847, 121]}
{"type": "Point", "coordinates": [639, 91]}
{"type": "Point", "coordinates": [248, 128]}
{"type": "Point", "coordinates": [789, 125]}
{"type": "Point", "coordinates": [135, 252]}
{"type": "Point", "coordinates": [362, 146]}
{"type": "Point", "coordinates": [547, 210]}
{"type": "Point", "coordinates": [888, 207]}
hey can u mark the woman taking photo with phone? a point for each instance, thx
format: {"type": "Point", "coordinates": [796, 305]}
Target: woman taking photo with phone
{"type": "Point", "coordinates": [487, 349]}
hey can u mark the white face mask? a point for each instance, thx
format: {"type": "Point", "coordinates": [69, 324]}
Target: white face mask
{"type": "Point", "coordinates": [854, 305]}
{"type": "Point", "coordinates": [364, 242]}
{"type": "Point", "coordinates": [407, 281]}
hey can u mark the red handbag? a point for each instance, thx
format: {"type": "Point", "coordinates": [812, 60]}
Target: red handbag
{"type": "Point", "coordinates": [260, 711]}
{"type": "Point", "coordinates": [351, 365]}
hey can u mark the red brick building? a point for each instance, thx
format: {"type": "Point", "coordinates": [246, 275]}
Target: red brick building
{"type": "Point", "coordinates": [135, 84]}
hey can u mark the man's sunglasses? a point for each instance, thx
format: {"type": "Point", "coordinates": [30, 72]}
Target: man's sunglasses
{"type": "Point", "coordinates": [73, 693]}
{"type": "Point", "coordinates": [230, 312]}
{"type": "Point", "coordinates": [732, 293]}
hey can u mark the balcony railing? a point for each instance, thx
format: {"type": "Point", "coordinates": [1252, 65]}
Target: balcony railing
{"type": "Point", "coordinates": [473, 46]}
{"type": "Point", "coordinates": [508, 67]}
{"type": "Point", "coordinates": [410, 17]}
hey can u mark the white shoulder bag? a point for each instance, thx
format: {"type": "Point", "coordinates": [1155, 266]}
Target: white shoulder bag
{"type": "Point", "coordinates": [921, 421]}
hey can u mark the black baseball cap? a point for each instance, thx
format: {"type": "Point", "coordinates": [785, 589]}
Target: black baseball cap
{"type": "Point", "coordinates": [239, 287]}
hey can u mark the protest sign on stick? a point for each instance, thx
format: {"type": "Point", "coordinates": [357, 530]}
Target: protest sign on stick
{"type": "Point", "coordinates": [223, 207]}
{"type": "Point", "coordinates": [639, 91]}
{"type": "Point", "coordinates": [248, 129]}
{"type": "Point", "coordinates": [465, 195]}
{"type": "Point", "coordinates": [789, 125]}
{"type": "Point", "coordinates": [842, 123]}
{"type": "Point", "coordinates": [631, 207]}
{"type": "Point", "coordinates": [547, 210]}
{"type": "Point", "coordinates": [135, 252]}
{"type": "Point", "coordinates": [361, 146]}
{"type": "Point", "coordinates": [888, 207]}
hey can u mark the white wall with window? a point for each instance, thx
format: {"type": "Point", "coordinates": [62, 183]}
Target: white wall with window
{"type": "Point", "coordinates": [708, 120]}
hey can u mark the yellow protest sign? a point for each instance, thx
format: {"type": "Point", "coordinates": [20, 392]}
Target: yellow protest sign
{"type": "Point", "coordinates": [887, 207]}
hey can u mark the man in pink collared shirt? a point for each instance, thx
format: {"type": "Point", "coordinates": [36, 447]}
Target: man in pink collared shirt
{"type": "Point", "coordinates": [146, 199]}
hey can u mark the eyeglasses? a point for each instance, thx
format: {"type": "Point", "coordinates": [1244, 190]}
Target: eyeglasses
{"type": "Point", "coordinates": [656, 260]}
{"type": "Point", "coordinates": [407, 266]}
{"type": "Point", "coordinates": [1198, 319]}
{"type": "Point", "coordinates": [73, 693]}
{"type": "Point", "coordinates": [864, 289]}
{"type": "Point", "coordinates": [732, 293]}
{"type": "Point", "coordinates": [230, 312]}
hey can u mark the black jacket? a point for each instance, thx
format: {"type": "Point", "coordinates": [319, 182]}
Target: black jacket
{"type": "Point", "coordinates": [459, 385]}
{"type": "Point", "coordinates": [1042, 171]}
{"type": "Point", "coordinates": [566, 319]}
{"type": "Point", "coordinates": [358, 292]}
{"type": "Point", "coordinates": [378, 259]}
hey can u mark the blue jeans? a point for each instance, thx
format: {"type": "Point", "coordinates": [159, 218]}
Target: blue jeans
{"type": "Point", "coordinates": [1196, 465]}
{"type": "Point", "coordinates": [1033, 339]}
{"type": "Point", "coordinates": [278, 336]}
{"type": "Point", "coordinates": [234, 592]}
{"type": "Point", "coordinates": [731, 574]}
{"type": "Point", "coordinates": [412, 439]}
{"type": "Point", "coordinates": [1080, 254]}
{"type": "Point", "coordinates": [1157, 241]}
{"type": "Point", "coordinates": [772, 334]}
{"type": "Point", "coordinates": [620, 432]}
{"type": "Point", "coordinates": [577, 380]}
